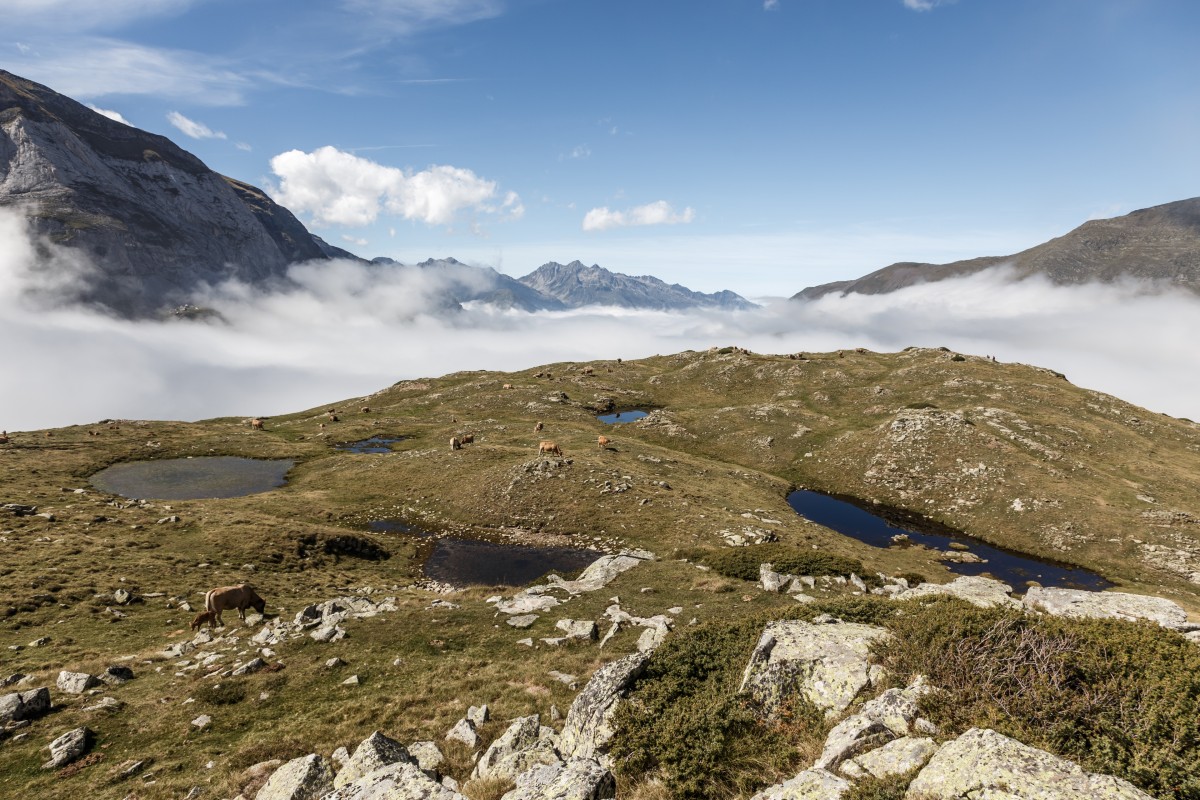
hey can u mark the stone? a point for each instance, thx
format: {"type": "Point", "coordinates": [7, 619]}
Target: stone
{"type": "Point", "coordinates": [584, 629]}
{"type": "Point", "coordinates": [116, 675]}
{"type": "Point", "coordinates": [523, 621]}
{"type": "Point", "coordinates": [855, 734]}
{"type": "Point", "coordinates": [122, 597]}
{"type": "Point", "coordinates": [894, 758]}
{"type": "Point", "coordinates": [564, 678]}
{"type": "Point", "coordinates": [588, 729]}
{"type": "Point", "coordinates": [975, 589]}
{"type": "Point", "coordinates": [984, 763]}
{"type": "Point", "coordinates": [326, 633]}
{"type": "Point", "coordinates": [105, 704]}
{"type": "Point", "coordinates": [464, 731]}
{"type": "Point", "coordinates": [75, 682]}
{"type": "Point", "coordinates": [253, 665]}
{"type": "Point", "coordinates": [41, 641]}
{"type": "Point", "coordinates": [399, 781]}
{"type": "Point", "coordinates": [305, 778]}
{"type": "Point", "coordinates": [20, 706]}
{"type": "Point", "coordinates": [1078, 603]}
{"type": "Point", "coordinates": [772, 581]}
{"type": "Point", "coordinates": [374, 752]}
{"type": "Point", "coordinates": [525, 744]}
{"type": "Point", "coordinates": [826, 663]}
{"type": "Point", "coordinates": [203, 721]}
{"type": "Point", "coordinates": [334, 663]}
{"type": "Point", "coordinates": [812, 784]}
{"type": "Point", "coordinates": [340, 758]}
{"type": "Point", "coordinates": [578, 779]}
{"type": "Point", "coordinates": [523, 604]}
{"type": "Point", "coordinates": [427, 754]}
{"type": "Point", "coordinates": [651, 638]}
{"type": "Point", "coordinates": [69, 747]}
{"type": "Point", "coordinates": [479, 714]}
{"type": "Point", "coordinates": [351, 681]}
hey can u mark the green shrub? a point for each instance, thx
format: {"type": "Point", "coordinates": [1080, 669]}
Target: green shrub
{"type": "Point", "coordinates": [865, 609]}
{"type": "Point", "coordinates": [743, 562]}
{"type": "Point", "coordinates": [221, 694]}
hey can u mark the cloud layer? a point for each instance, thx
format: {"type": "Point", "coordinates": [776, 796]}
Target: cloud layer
{"type": "Point", "coordinates": [340, 188]}
{"type": "Point", "coordinates": [189, 127]}
{"type": "Point", "coordinates": [656, 213]}
{"type": "Point", "coordinates": [344, 329]}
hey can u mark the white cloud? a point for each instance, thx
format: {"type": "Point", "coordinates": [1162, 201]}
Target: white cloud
{"type": "Point", "coordinates": [926, 5]}
{"type": "Point", "coordinates": [355, 240]}
{"type": "Point", "coordinates": [657, 213]}
{"type": "Point", "coordinates": [340, 188]}
{"type": "Point", "coordinates": [243, 146]}
{"type": "Point", "coordinates": [408, 16]}
{"type": "Point", "coordinates": [580, 151]}
{"type": "Point", "coordinates": [770, 5]}
{"type": "Point", "coordinates": [196, 130]}
{"type": "Point", "coordinates": [113, 115]}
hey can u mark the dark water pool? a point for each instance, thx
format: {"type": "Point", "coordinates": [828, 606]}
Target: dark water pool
{"type": "Point", "coordinates": [622, 416]}
{"type": "Point", "coordinates": [877, 527]}
{"type": "Point", "coordinates": [473, 562]}
{"type": "Point", "coordinates": [193, 478]}
{"type": "Point", "coordinates": [376, 444]}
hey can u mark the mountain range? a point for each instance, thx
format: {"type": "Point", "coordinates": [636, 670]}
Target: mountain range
{"type": "Point", "coordinates": [158, 224]}
{"type": "Point", "coordinates": [1159, 244]}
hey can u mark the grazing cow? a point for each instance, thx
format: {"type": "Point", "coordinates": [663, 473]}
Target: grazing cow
{"type": "Point", "coordinates": [256, 424]}
{"type": "Point", "coordinates": [332, 417]}
{"type": "Point", "coordinates": [455, 444]}
{"type": "Point", "coordinates": [239, 597]}
{"type": "Point", "coordinates": [467, 438]}
{"type": "Point", "coordinates": [545, 448]}
{"type": "Point", "coordinates": [506, 386]}
{"type": "Point", "coordinates": [204, 616]}
{"type": "Point", "coordinates": [602, 442]}
{"type": "Point", "coordinates": [4, 437]}
{"type": "Point", "coordinates": [538, 427]}
{"type": "Point", "coordinates": [366, 409]}
{"type": "Point", "coordinates": [587, 370]}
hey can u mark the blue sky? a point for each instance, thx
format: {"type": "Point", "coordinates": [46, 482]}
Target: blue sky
{"type": "Point", "coordinates": [757, 146]}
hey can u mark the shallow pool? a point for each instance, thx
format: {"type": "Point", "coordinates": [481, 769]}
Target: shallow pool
{"type": "Point", "coordinates": [623, 416]}
{"type": "Point", "coordinates": [193, 478]}
{"type": "Point", "coordinates": [376, 444]}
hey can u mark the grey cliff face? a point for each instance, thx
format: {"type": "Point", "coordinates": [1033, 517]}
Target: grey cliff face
{"type": "Point", "coordinates": [1160, 244]}
{"type": "Point", "coordinates": [151, 216]}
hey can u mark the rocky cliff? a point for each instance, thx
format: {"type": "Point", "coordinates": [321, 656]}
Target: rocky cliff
{"type": "Point", "coordinates": [152, 217]}
{"type": "Point", "coordinates": [1159, 244]}
{"type": "Point", "coordinates": [576, 285]}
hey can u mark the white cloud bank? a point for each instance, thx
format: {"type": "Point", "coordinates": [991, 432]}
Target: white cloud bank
{"type": "Point", "coordinates": [115, 116]}
{"type": "Point", "coordinates": [344, 329]}
{"type": "Point", "coordinates": [189, 127]}
{"type": "Point", "coordinates": [340, 188]}
{"type": "Point", "coordinates": [926, 5]}
{"type": "Point", "coordinates": [657, 213]}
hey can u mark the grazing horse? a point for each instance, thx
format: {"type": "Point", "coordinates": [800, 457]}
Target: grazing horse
{"type": "Point", "coordinates": [4, 437]}
{"type": "Point", "coordinates": [239, 597]}
{"type": "Point", "coordinates": [602, 442]}
{"type": "Point", "coordinates": [506, 386]}
{"type": "Point", "coordinates": [548, 447]}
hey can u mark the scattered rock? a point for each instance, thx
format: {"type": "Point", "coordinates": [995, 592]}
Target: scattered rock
{"type": "Point", "coordinates": [525, 744]}
{"type": "Point", "coordinates": [374, 752]}
{"type": "Point", "coordinates": [523, 621]}
{"type": "Point", "coordinates": [116, 675]}
{"type": "Point", "coordinates": [812, 784]}
{"type": "Point", "coordinates": [399, 781]}
{"type": "Point", "coordinates": [253, 665]}
{"type": "Point", "coordinates": [1115, 605]}
{"type": "Point", "coordinates": [76, 682]}
{"type": "Point", "coordinates": [68, 747]}
{"type": "Point", "coordinates": [306, 778]}
{"type": "Point", "coordinates": [105, 704]}
{"type": "Point", "coordinates": [479, 714]}
{"type": "Point", "coordinates": [975, 589]}
{"type": "Point", "coordinates": [427, 754]}
{"type": "Point", "coordinates": [20, 706]}
{"type": "Point", "coordinates": [584, 629]}
{"type": "Point", "coordinates": [201, 722]}
{"type": "Point", "coordinates": [894, 758]}
{"type": "Point", "coordinates": [351, 681]}
{"type": "Point", "coordinates": [464, 731]}
{"type": "Point", "coordinates": [578, 779]}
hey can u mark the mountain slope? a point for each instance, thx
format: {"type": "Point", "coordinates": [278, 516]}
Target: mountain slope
{"type": "Point", "coordinates": [576, 285]}
{"type": "Point", "coordinates": [1161, 243]}
{"type": "Point", "coordinates": [152, 217]}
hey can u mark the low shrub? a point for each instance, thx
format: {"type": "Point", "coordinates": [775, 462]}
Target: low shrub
{"type": "Point", "coordinates": [743, 562]}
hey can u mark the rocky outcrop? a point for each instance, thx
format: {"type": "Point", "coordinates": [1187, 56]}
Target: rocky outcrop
{"type": "Point", "coordinates": [588, 729]}
{"type": "Point", "coordinates": [825, 663]}
{"type": "Point", "coordinates": [578, 779]}
{"type": "Point", "coordinates": [375, 752]}
{"type": "Point", "coordinates": [812, 784]}
{"type": "Point", "coordinates": [1106, 605]}
{"type": "Point", "coordinates": [306, 778]}
{"type": "Point", "coordinates": [402, 781]}
{"type": "Point", "coordinates": [76, 682]}
{"type": "Point", "coordinates": [525, 744]}
{"type": "Point", "coordinates": [975, 589]}
{"type": "Point", "coordinates": [894, 758]}
{"type": "Point", "coordinates": [69, 747]}
{"type": "Point", "coordinates": [20, 706]}
{"type": "Point", "coordinates": [983, 763]}
{"type": "Point", "coordinates": [151, 217]}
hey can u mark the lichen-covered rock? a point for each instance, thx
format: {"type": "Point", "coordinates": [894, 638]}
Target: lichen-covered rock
{"type": "Point", "coordinates": [306, 778]}
{"type": "Point", "coordinates": [1116, 605]}
{"type": "Point", "coordinates": [525, 744]}
{"type": "Point", "coordinates": [464, 731]}
{"type": "Point", "coordinates": [772, 581]}
{"type": "Point", "coordinates": [401, 781]}
{"type": "Point", "coordinates": [812, 784]}
{"type": "Point", "coordinates": [374, 752]}
{"type": "Point", "coordinates": [429, 757]}
{"type": "Point", "coordinates": [587, 729]}
{"type": "Point", "coordinates": [24, 705]}
{"type": "Point", "coordinates": [524, 603]}
{"type": "Point", "coordinates": [975, 589]}
{"type": "Point", "coordinates": [116, 675]}
{"type": "Point", "coordinates": [578, 779]}
{"type": "Point", "coordinates": [826, 663]}
{"type": "Point", "coordinates": [984, 764]}
{"type": "Point", "coordinates": [69, 747]}
{"type": "Point", "coordinates": [853, 735]}
{"type": "Point", "coordinates": [75, 682]}
{"type": "Point", "coordinates": [583, 629]}
{"type": "Point", "coordinates": [894, 758]}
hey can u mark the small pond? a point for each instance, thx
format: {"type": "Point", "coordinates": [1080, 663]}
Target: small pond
{"type": "Point", "coordinates": [474, 562]}
{"type": "Point", "coordinates": [193, 478]}
{"type": "Point", "coordinates": [623, 416]}
{"type": "Point", "coordinates": [376, 444]}
{"type": "Point", "coordinates": [1016, 569]}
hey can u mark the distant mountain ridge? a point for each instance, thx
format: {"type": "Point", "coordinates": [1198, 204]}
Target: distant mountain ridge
{"type": "Point", "coordinates": [1161, 243]}
{"type": "Point", "coordinates": [577, 285]}
{"type": "Point", "coordinates": [151, 216]}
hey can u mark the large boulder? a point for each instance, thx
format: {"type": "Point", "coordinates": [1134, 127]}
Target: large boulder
{"type": "Point", "coordinates": [587, 729]}
{"type": "Point", "coordinates": [525, 744]}
{"type": "Point", "coordinates": [1105, 605]}
{"type": "Point", "coordinates": [75, 682]}
{"type": "Point", "coordinates": [825, 663]}
{"type": "Point", "coordinates": [24, 705]}
{"type": "Point", "coordinates": [578, 779]}
{"type": "Point", "coordinates": [812, 784]}
{"type": "Point", "coordinates": [400, 781]}
{"type": "Point", "coordinates": [975, 589]}
{"type": "Point", "coordinates": [983, 763]}
{"type": "Point", "coordinates": [372, 753]}
{"type": "Point", "coordinates": [894, 758]}
{"type": "Point", "coordinates": [69, 747]}
{"type": "Point", "coordinates": [306, 778]}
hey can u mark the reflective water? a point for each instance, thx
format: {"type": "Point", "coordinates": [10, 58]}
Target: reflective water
{"type": "Point", "coordinates": [622, 416]}
{"type": "Point", "coordinates": [376, 444]}
{"type": "Point", "coordinates": [871, 527]}
{"type": "Point", "coordinates": [192, 478]}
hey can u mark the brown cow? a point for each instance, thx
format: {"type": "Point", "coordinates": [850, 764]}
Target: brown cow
{"type": "Point", "coordinates": [587, 370]}
{"type": "Point", "coordinates": [366, 409]}
{"type": "Point", "coordinates": [4, 437]}
{"type": "Point", "coordinates": [602, 442]}
{"type": "Point", "coordinates": [239, 597]}
{"type": "Point", "coordinates": [455, 444]}
{"type": "Point", "coordinates": [204, 616]}
{"type": "Point", "coordinates": [467, 438]}
{"type": "Point", "coordinates": [549, 447]}
{"type": "Point", "coordinates": [538, 427]}
{"type": "Point", "coordinates": [506, 386]}
{"type": "Point", "coordinates": [256, 424]}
